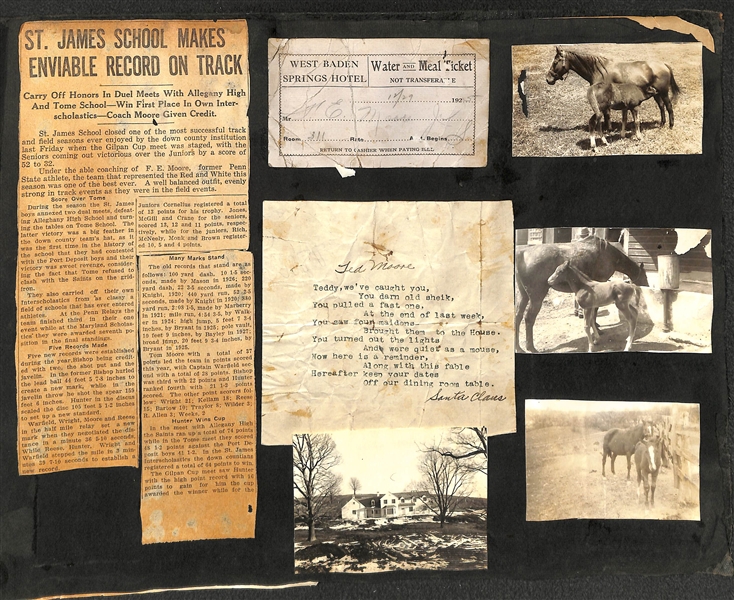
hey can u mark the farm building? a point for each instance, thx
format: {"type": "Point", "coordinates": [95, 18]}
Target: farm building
{"type": "Point", "coordinates": [373, 506]}
{"type": "Point", "coordinates": [643, 246]}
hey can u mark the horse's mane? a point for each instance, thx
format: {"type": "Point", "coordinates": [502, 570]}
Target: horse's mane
{"type": "Point", "coordinates": [592, 62]}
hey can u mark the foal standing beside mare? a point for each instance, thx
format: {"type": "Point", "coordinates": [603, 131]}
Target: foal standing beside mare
{"type": "Point", "coordinates": [648, 456]}
{"type": "Point", "coordinates": [594, 69]}
{"type": "Point", "coordinates": [623, 441]}
{"type": "Point", "coordinates": [595, 257]}
{"type": "Point", "coordinates": [603, 97]}
{"type": "Point", "coordinates": [591, 295]}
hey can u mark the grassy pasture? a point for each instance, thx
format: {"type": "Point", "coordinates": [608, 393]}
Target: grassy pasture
{"type": "Point", "coordinates": [558, 115]}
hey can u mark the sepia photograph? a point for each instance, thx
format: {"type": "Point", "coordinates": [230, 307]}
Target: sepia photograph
{"type": "Point", "coordinates": [377, 500]}
{"type": "Point", "coordinates": [612, 460]}
{"type": "Point", "coordinates": [602, 289]}
{"type": "Point", "coordinates": [607, 99]}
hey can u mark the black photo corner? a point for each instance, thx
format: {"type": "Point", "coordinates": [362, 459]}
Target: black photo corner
{"type": "Point", "coordinates": [78, 532]}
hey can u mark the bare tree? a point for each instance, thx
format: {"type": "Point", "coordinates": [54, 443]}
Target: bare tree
{"type": "Point", "coordinates": [467, 444]}
{"type": "Point", "coordinates": [447, 479]}
{"type": "Point", "coordinates": [314, 483]}
{"type": "Point", "coordinates": [355, 485]}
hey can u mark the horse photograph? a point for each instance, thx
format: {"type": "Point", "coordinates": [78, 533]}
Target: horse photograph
{"type": "Point", "coordinates": [571, 447]}
{"type": "Point", "coordinates": [571, 89]}
{"type": "Point", "coordinates": [601, 289]}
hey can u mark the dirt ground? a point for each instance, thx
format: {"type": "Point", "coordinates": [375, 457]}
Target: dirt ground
{"type": "Point", "coordinates": [564, 481]}
{"type": "Point", "coordinates": [399, 544]}
{"type": "Point", "coordinates": [558, 330]}
{"type": "Point", "coordinates": [558, 115]}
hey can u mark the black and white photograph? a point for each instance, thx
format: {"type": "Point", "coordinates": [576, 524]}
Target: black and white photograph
{"type": "Point", "coordinates": [607, 99]}
{"type": "Point", "coordinates": [612, 460]}
{"type": "Point", "coordinates": [602, 289]}
{"type": "Point", "coordinates": [377, 500]}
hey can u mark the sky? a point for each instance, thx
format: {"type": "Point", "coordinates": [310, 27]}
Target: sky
{"type": "Point", "coordinates": [386, 460]}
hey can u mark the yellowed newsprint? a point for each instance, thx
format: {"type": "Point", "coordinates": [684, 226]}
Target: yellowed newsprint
{"type": "Point", "coordinates": [133, 144]}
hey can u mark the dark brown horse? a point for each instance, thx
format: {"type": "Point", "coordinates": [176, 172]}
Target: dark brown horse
{"type": "Point", "coordinates": [648, 457]}
{"type": "Point", "coordinates": [597, 69]}
{"type": "Point", "coordinates": [596, 258]}
{"type": "Point", "coordinates": [623, 441]}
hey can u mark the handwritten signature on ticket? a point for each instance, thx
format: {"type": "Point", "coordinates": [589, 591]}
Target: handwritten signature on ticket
{"type": "Point", "coordinates": [378, 103]}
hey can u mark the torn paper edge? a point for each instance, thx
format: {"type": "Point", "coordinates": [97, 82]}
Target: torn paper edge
{"type": "Point", "coordinates": [345, 171]}
{"type": "Point", "coordinates": [282, 586]}
{"type": "Point", "coordinates": [677, 24]}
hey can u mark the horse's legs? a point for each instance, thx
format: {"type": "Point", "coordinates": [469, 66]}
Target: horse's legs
{"type": "Point", "coordinates": [636, 120]}
{"type": "Point", "coordinates": [603, 462]}
{"type": "Point", "coordinates": [661, 106]}
{"type": "Point", "coordinates": [607, 121]}
{"type": "Point", "coordinates": [624, 122]}
{"type": "Point", "coordinates": [669, 106]}
{"type": "Point", "coordinates": [629, 466]}
{"type": "Point", "coordinates": [647, 490]}
{"type": "Point", "coordinates": [521, 301]}
{"type": "Point", "coordinates": [613, 456]}
{"type": "Point", "coordinates": [536, 303]}
{"type": "Point", "coordinates": [589, 327]}
{"type": "Point", "coordinates": [653, 484]}
{"type": "Point", "coordinates": [595, 310]}
{"type": "Point", "coordinates": [629, 311]}
{"type": "Point", "coordinates": [607, 118]}
{"type": "Point", "coordinates": [592, 127]}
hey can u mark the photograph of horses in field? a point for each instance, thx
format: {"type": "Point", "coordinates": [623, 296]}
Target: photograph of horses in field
{"type": "Point", "coordinates": [607, 99]}
{"type": "Point", "coordinates": [603, 289]}
{"type": "Point", "coordinates": [612, 460]}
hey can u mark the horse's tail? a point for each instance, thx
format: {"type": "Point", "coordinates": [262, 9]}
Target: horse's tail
{"type": "Point", "coordinates": [673, 85]}
{"type": "Point", "coordinates": [519, 271]}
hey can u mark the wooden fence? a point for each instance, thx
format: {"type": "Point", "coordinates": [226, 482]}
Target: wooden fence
{"type": "Point", "coordinates": [683, 439]}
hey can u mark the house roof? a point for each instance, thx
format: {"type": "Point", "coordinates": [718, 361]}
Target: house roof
{"type": "Point", "coordinates": [366, 499]}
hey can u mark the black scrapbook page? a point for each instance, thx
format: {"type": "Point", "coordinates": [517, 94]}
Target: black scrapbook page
{"type": "Point", "coordinates": [549, 187]}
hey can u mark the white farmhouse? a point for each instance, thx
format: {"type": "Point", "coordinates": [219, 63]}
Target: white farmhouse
{"type": "Point", "coordinates": [374, 506]}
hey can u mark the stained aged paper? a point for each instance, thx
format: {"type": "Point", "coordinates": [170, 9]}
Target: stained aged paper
{"type": "Point", "coordinates": [627, 460]}
{"type": "Point", "coordinates": [387, 314]}
{"type": "Point", "coordinates": [198, 396]}
{"type": "Point", "coordinates": [378, 102]}
{"type": "Point", "coordinates": [134, 142]}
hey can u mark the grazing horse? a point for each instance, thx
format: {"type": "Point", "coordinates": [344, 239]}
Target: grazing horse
{"type": "Point", "coordinates": [603, 97]}
{"type": "Point", "coordinates": [596, 69]}
{"type": "Point", "coordinates": [591, 294]}
{"type": "Point", "coordinates": [648, 455]}
{"type": "Point", "coordinates": [623, 441]}
{"type": "Point", "coordinates": [596, 258]}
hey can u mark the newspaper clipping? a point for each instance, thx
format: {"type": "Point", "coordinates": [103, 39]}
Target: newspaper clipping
{"type": "Point", "coordinates": [134, 149]}
{"type": "Point", "coordinates": [378, 102]}
{"type": "Point", "coordinates": [365, 326]}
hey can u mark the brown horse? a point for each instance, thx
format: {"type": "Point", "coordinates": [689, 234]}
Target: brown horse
{"type": "Point", "coordinates": [596, 69]}
{"type": "Point", "coordinates": [592, 294]}
{"type": "Point", "coordinates": [648, 457]}
{"type": "Point", "coordinates": [596, 258]}
{"type": "Point", "coordinates": [623, 441]}
{"type": "Point", "coordinates": [603, 97]}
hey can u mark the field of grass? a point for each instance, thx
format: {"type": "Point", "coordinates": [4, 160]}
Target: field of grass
{"type": "Point", "coordinates": [398, 544]}
{"type": "Point", "coordinates": [558, 115]}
